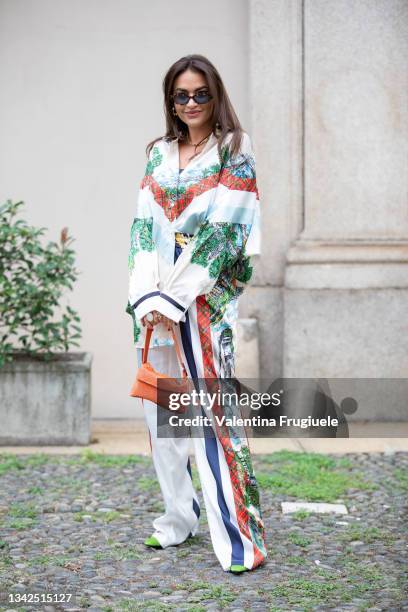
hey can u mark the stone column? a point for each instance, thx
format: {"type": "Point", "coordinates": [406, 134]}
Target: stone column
{"type": "Point", "coordinates": [329, 103]}
{"type": "Point", "coordinates": [346, 278]}
{"type": "Point", "coordinates": [275, 86]}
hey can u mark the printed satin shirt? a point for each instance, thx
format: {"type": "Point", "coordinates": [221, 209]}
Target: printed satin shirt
{"type": "Point", "coordinates": [191, 242]}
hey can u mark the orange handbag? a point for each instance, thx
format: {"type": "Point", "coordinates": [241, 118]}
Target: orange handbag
{"type": "Point", "coordinates": [155, 386]}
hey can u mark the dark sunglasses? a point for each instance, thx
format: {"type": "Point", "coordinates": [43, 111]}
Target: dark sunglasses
{"type": "Point", "coordinates": [201, 97]}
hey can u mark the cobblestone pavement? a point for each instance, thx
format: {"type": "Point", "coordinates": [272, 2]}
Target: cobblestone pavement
{"type": "Point", "coordinates": [77, 524]}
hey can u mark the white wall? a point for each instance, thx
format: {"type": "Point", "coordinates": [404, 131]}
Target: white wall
{"type": "Point", "coordinates": [81, 97]}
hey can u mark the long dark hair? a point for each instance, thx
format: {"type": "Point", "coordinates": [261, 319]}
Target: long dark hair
{"type": "Point", "coordinates": [224, 118]}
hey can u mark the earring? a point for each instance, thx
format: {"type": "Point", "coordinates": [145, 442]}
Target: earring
{"type": "Point", "coordinates": [217, 126]}
{"type": "Point", "coordinates": [174, 111]}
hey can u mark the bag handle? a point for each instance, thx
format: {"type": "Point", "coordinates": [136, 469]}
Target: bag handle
{"type": "Point", "coordinates": [149, 332]}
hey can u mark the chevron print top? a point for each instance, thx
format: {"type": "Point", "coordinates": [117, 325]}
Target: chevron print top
{"type": "Point", "coordinates": [215, 203]}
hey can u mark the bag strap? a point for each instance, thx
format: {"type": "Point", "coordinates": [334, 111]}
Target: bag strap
{"type": "Point", "coordinates": [149, 332]}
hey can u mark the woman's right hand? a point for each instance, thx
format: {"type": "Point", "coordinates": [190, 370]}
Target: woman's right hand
{"type": "Point", "coordinates": [157, 318]}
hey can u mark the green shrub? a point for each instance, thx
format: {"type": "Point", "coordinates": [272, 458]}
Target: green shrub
{"type": "Point", "coordinates": [32, 280]}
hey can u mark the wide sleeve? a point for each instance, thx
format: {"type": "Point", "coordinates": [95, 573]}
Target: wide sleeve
{"type": "Point", "coordinates": [231, 226]}
{"type": "Point", "coordinates": [143, 258]}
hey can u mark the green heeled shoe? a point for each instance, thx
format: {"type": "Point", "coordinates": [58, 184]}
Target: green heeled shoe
{"type": "Point", "coordinates": [153, 542]}
{"type": "Point", "coordinates": [238, 569]}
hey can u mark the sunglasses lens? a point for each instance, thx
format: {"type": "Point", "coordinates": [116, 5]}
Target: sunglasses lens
{"type": "Point", "coordinates": [181, 98]}
{"type": "Point", "coordinates": [202, 97]}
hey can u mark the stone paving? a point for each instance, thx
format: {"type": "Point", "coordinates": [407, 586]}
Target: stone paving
{"type": "Point", "coordinates": [76, 524]}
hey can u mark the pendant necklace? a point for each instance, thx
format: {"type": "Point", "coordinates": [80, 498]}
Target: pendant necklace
{"type": "Point", "coordinates": [204, 140]}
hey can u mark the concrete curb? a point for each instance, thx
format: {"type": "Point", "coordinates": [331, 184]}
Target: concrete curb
{"type": "Point", "coordinates": [130, 436]}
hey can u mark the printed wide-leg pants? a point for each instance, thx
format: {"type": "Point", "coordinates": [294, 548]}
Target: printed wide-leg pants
{"type": "Point", "coordinates": [228, 484]}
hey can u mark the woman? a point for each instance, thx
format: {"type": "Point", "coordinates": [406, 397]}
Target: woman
{"type": "Point", "coordinates": [196, 226]}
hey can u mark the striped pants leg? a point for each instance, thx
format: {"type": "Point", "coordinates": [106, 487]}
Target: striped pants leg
{"type": "Point", "coordinates": [229, 486]}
